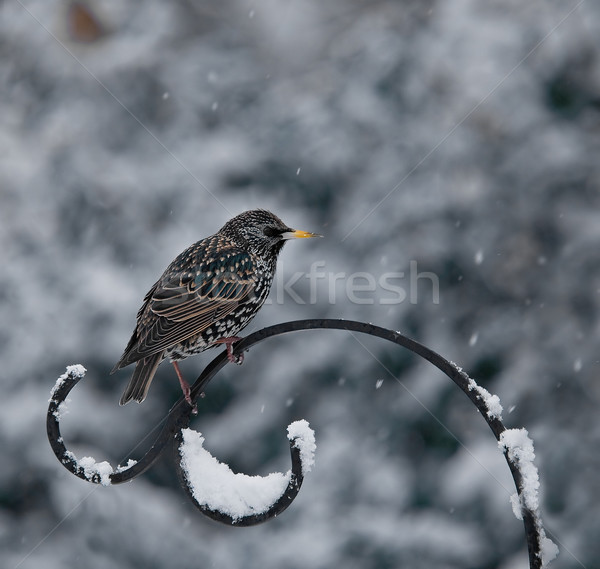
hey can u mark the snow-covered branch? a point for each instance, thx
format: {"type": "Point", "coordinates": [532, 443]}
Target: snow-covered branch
{"type": "Point", "coordinates": [237, 499]}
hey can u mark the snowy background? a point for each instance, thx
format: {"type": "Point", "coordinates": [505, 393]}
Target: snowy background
{"type": "Point", "coordinates": [461, 135]}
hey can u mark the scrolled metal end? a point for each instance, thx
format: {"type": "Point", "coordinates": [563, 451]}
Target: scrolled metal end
{"type": "Point", "coordinates": [238, 499]}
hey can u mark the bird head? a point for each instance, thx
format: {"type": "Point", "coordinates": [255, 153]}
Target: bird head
{"type": "Point", "coordinates": [262, 231]}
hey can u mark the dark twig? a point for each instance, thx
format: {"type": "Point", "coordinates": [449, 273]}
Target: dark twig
{"type": "Point", "coordinates": [179, 418]}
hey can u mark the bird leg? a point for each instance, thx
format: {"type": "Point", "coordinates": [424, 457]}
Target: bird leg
{"type": "Point", "coordinates": [237, 359]}
{"type": "Point", "coordinates": [185, 387]}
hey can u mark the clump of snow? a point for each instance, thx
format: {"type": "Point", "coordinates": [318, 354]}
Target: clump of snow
{"type": "Point", "coordinates": [515, 504]}
{"type": "Point", "coordinates": [124, 467]}
{"type": "Point", "coordinates": [91, 468]}
{"type": "Point", "coordinates": [214, 485]}
{"type": "Point", "coordinates": [519, 447]}
{"type": "Point", "coordinates": [62, 409]}
{"type": "Point", "coordinates": [304, 440]}
{"type": "Point", "coordinates": [76, 370]}
{"type": "Point", "coordinates": [520, 451]}
{"type": "Point", "coordinates": [548, 549]}
{"type": "Point", "coordinates": [492, 402]}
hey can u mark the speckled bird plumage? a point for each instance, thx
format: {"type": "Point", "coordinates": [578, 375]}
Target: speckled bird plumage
{"type": "Point", "coordinates": [210, 292]}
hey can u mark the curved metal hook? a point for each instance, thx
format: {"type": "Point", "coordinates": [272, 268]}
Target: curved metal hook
{"type": "Point", "coordinates": [296, 477]}
{"type": "Point", "coordinates": [179, 417]}
{"type": "Point", "coordinates": [177, 420]}
{"type": "Point", "coordinates": [533, 532]}
{"type": "Point", "coordinates": [59, 394]}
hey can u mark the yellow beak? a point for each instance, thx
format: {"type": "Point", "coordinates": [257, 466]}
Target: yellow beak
{"type": "Point", "coordinates": [298, 234]}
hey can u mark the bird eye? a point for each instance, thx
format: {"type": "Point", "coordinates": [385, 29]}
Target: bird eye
{"type": "Point", "coordinates": [270, 232]}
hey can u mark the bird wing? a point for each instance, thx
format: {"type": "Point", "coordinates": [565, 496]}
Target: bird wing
{"type": "Point", "coordinates": [204, 284]}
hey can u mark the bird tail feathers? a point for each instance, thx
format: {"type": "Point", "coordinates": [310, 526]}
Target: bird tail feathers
{"type": "Point", "coordinates": [141, 379]}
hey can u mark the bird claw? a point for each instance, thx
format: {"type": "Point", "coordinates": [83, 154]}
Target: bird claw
{"type": "Point", "coordinates": [187, 394]}
{"type": "Point", "coordinates": [233, 358]}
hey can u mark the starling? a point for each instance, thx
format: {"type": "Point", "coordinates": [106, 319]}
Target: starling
{"type": "Point", "coordinates": [206, 296]}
